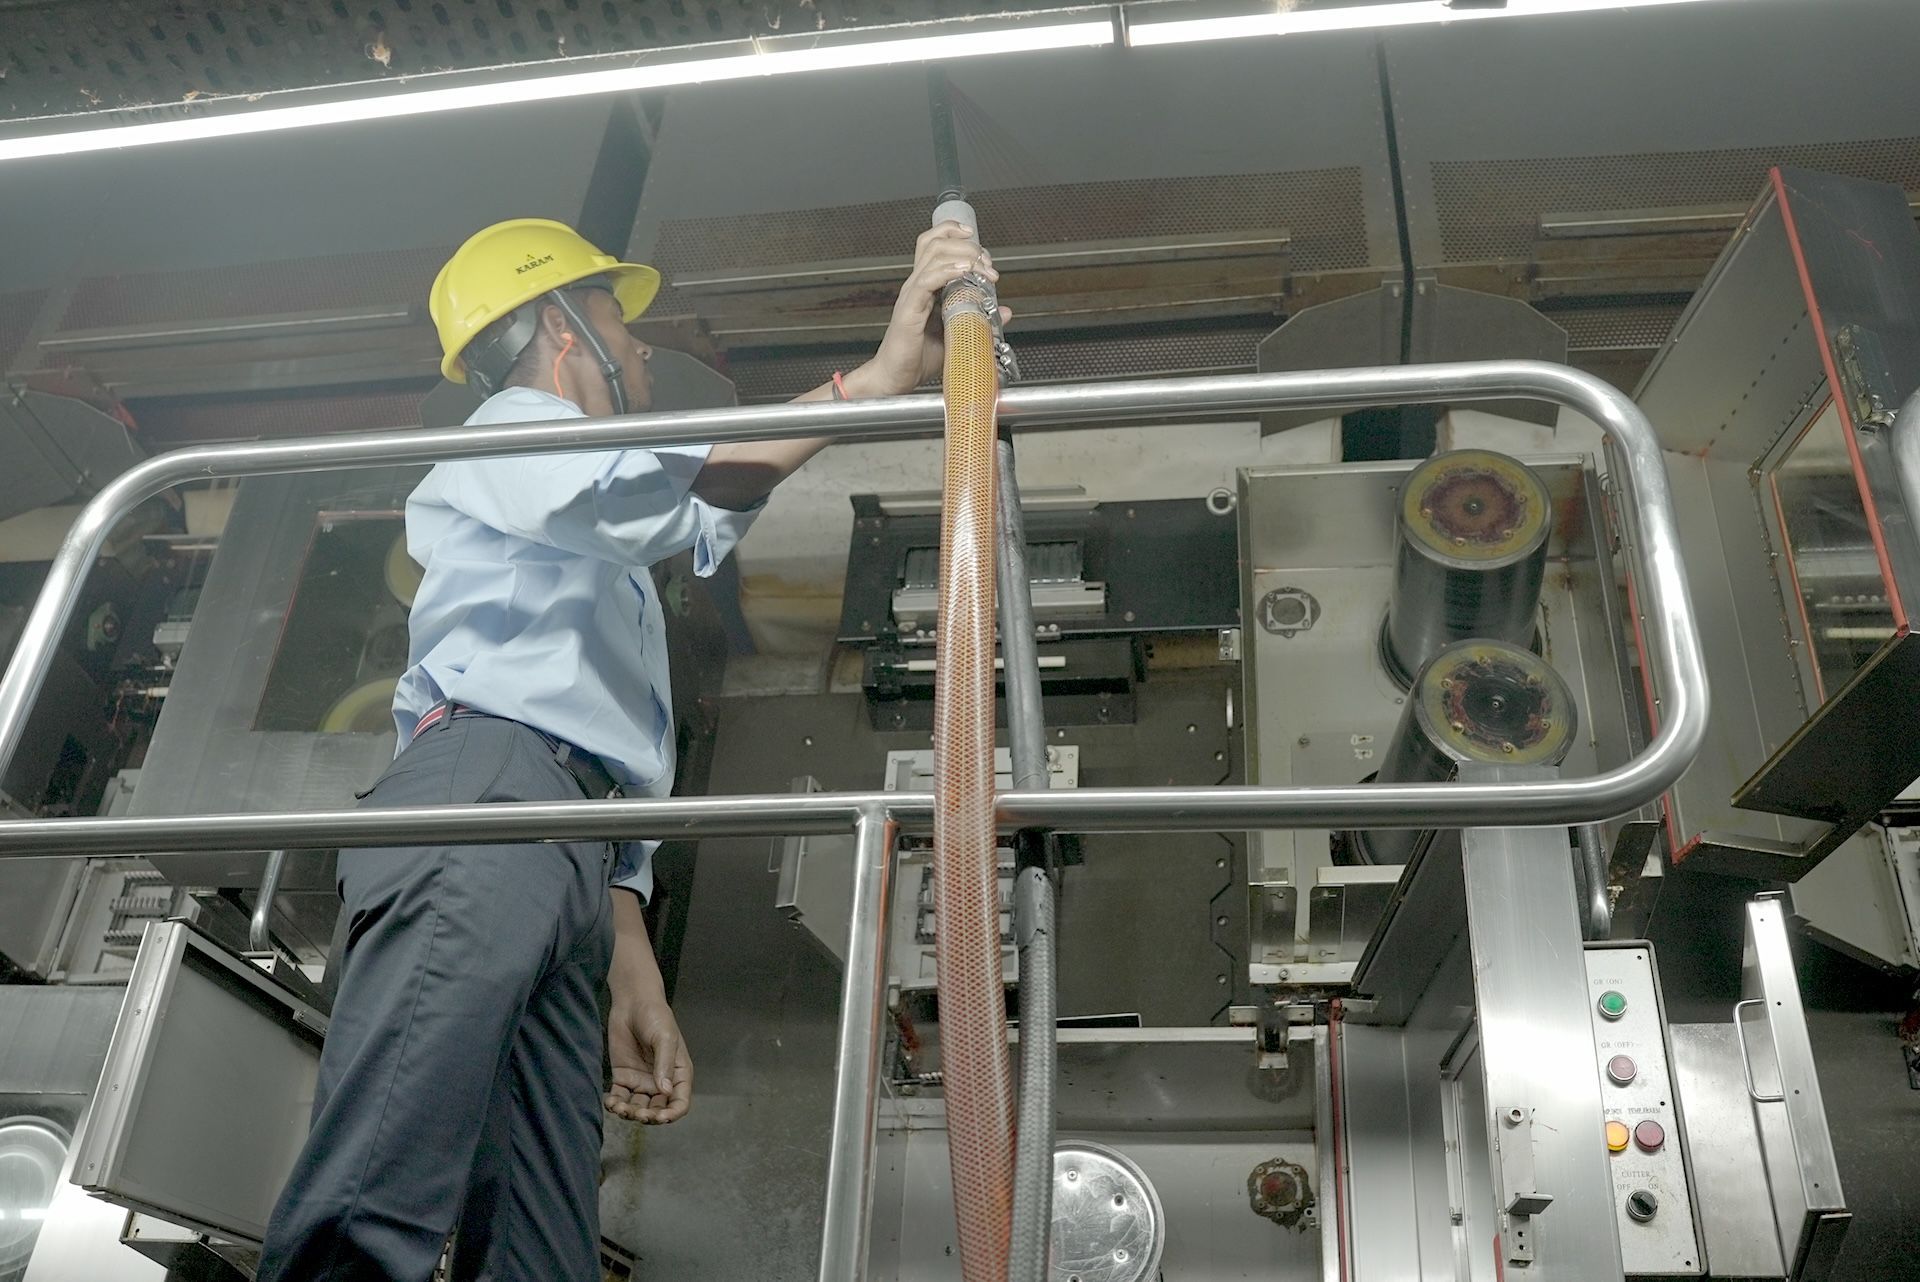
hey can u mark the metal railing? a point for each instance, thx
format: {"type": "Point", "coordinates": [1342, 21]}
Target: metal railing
{"type": "Point", "coordinates": [1672, 638]}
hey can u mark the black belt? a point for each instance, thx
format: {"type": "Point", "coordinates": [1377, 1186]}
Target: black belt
{"type": "Point", "coordinates": [595, 780]}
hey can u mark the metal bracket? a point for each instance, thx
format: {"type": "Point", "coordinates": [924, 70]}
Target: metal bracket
{"type": "Point", "coordinates": [1516, 1165]}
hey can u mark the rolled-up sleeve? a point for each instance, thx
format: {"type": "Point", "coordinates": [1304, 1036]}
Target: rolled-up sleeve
{"type": "Point", "coordinates": [629, 507]}
{"type": "Point", "coordinates": [633, 870]}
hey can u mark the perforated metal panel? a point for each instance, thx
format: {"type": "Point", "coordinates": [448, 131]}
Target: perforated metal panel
{"type": "Point", "coordinates": [102, 54]}
{"type": "Point", "coordinates": [1600, 326]}
{"type": "Point", "coordinates": [1320, 208]}
{"type": "Point", "coordinates": [1490, 209]}
{"type": "Point", "coordinates": [17, 313]}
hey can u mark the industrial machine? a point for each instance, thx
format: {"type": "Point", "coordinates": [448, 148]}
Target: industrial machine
{"type": "Point", "coordinates": [1324, 856]}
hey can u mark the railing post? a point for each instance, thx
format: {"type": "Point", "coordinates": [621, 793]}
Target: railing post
{"type": "Point", "coordinates": [857, 1046]}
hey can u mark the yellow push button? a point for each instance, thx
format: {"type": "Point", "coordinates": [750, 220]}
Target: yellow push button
{"type": "Point", "coordinates": [1618, 1137]}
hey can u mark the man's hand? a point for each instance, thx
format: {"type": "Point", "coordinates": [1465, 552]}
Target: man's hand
{"type": "Point", "coordinates": [652, 1072]}
{"type": "Point", "coordinates": [912, 350]}
{"type": "Point", "coordinates": [652, 1075]}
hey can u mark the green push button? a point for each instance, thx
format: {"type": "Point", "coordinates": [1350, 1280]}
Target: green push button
{"type": "Point", "coordinates": [1613, 1004]}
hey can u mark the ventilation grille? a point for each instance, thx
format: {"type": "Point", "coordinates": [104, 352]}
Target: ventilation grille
{"type": "Point", "coordinates": [17, 314]}
{"type": "Point", "coordinates": [1321, 208]}
{"type": "Point", "coordinates": [1490, 209]}
{"type": "Point", "coordinates": [84, 55]}
{"type": "Point", "coordinates": [1636, 325]}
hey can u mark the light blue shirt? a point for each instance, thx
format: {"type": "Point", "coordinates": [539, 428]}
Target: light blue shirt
{"type": "Point", "coordinates": [537, 605]}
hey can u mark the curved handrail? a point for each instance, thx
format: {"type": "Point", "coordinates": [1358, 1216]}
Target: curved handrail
{"type": "Point", "coordinates": [1673, 638]}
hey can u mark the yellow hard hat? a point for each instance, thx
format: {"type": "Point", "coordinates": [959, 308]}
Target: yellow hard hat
{"type": "Point", "coordinates": [516, 262]}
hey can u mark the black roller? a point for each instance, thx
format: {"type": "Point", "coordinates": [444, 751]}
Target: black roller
{"type": "Point", "coordinates": [1485, 701]}
{"type": "Point", "coordinates": [1473, 528]}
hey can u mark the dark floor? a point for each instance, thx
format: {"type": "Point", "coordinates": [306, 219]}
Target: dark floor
{"type": "Point", "coordinates": [1852, 1011]}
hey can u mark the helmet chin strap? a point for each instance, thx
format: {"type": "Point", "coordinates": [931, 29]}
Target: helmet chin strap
{"type": "Point", "coordinates": [590, 338]}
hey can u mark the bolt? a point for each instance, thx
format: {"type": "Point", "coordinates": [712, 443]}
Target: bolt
{"type": "Point", "coordinates": [1120, 1254]}
{"type": "Point", "coordinates": [1220, 921]}
{"type": "Point", "coordinates": [1285, 973]}
{"type": "Point", "coordinates": [1192, 729]}
{"type": "Point", "coordinates": [1304, 741]}
{"type": "Point", "coordinates": [1119, 1199]}
{"type": "Point", "coordinates": [1073, 1177]}
{"type": "Point", "coordinates": [1506, 747]}
{"type": "Point", "coordinates": [1515, 1116]}
{"type": "Point", "coordinates": [1128, 616]}
{"type": "Point", "coordinates": [807, 741]}
{"type": "Point", "coordinates": [1220, 979]}
{"type": "Point", "coordinates": [1458, 725]}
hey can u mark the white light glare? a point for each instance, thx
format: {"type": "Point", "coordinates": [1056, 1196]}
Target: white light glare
{"type": "Point", "coordinates": [839, 57]}
{"type": "Point", "coordinates": [1360, 17]}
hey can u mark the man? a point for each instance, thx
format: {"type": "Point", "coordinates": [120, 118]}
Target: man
{"type": "Point", "coordinates": [458, 1087]}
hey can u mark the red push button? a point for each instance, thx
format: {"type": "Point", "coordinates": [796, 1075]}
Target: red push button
{"type": "Point", "coordinates": [1650, 1135]}
{"type": "Point", "coordinates": [1621, 1070]}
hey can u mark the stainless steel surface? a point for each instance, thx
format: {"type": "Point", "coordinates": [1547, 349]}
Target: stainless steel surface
{"type": "Point", "coordinates": [1797, 329]}
{"type": "Point", "coordinates": [1473, 528]}
{"type": "Point", "coordinates": [1530, 995]}
{"type": "Point", "coordinates": [847, 1214]}
{"type": "Point", "coordinates": [260, 927]}
{"type": "Point", "coordinates": [35, 901]}
{"type": "Point", "coordinates": [1808, 1205]}
{"type": "Point", "coordinates": [1212, 1234]}
{"type": "Point", "coordinates": [1591, 843]}
{"type": "Point", "coordinates": [1418, 1197]}
{"type": "Point", "coordinates": [1326, 1173]}
{"type": "Point", "coordinates": [203, 1042]}
{"type": "Point", "coordinates": [80, 1238]}
{"type": "Point", "coordinates": [1673, 646]}
{"type": "Point", "coordinates": [1667, 1243]}
{"type": "Point", "coordinates": [1737, 1227]}
{"type": "Point", "coordinates": [1322, 707]}
{"type": "Point", "coordinates": [1107, 1223]}
{"type": "Point", "coordinates": [52, 1038]}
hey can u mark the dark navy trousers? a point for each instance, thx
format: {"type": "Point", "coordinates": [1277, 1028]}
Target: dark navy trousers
{"type": "Point", "coordinates": [460, 1083]}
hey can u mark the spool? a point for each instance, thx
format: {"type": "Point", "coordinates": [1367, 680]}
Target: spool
{"type": "Point", "coordinates": [1473, 527]}
{"type": "Point", "coordinates": [1476, 701]}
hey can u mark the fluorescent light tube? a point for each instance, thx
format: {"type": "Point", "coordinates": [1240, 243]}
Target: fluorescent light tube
{"type": "Point", "coordinates": [1082, 33]}
{"type": "Point", "coordinates": [1359, 17]}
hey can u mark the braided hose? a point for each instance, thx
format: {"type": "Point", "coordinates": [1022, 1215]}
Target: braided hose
{"type": "Point", "coordinates": [973, 1016]}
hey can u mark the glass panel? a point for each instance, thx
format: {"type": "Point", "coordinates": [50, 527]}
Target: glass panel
{"type": "Point", "coordinates": [1832, 569]}
{"type": "Point", "coordinates": [345, 641]}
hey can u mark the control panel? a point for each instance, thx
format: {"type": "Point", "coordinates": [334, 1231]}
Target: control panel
{"type": "Point", "coordinates": [1652, 1196]}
